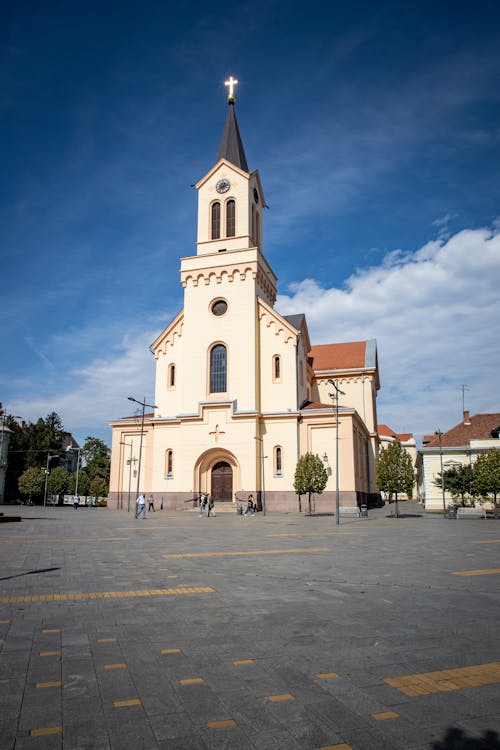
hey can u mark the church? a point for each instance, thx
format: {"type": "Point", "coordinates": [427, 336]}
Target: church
{"type": "Point", "coordinates": [241, 393]}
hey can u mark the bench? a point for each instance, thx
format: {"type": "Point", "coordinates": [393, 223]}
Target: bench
{"type": "Point", "coordinates": [347, 510]}
{"type": "Point", "coordinates": [471, 513]}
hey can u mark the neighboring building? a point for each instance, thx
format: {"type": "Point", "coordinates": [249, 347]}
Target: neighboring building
{"type": "Point", "coordinates": [5, 434]}
{"type": "Point", "coordinates": [240, 391]}
{"type": "Point", "coordinates": [460, 445]}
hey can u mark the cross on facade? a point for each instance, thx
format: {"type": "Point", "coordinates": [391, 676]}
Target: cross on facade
{"type": "Point", "coordinates": [216, 433]}
{"type": "Point", "coordinates": [231, 83]}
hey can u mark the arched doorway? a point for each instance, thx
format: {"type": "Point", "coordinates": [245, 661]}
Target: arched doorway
{"type": "Point", "coordinates": [222, 482]}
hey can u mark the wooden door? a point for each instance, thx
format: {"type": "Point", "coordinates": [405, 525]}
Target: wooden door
{"type": "Point", "coordinates": [222, 482]}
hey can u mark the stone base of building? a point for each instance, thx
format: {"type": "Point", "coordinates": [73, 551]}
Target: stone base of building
{"type": "Point", "coordinates": [275, 502]}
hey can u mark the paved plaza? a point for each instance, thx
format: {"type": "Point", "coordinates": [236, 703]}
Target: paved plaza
{"type": "Point", "coordinates": [281, 632]}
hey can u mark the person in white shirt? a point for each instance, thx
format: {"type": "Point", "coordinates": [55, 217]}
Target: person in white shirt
{"type": "Point", "coordinates": [140, 506]}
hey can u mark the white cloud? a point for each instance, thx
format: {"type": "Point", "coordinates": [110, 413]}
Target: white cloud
{"type": "Point", "coordinates": [434, 312]}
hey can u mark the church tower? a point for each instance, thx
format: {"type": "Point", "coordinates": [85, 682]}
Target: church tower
{"type": "Point", "coordinates": [240, 393]}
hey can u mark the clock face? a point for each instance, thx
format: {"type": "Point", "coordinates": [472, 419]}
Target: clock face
{"type": "Point", "coordinates": [223, 186]}
{"type": "Point", "coordinates": [255, 195]}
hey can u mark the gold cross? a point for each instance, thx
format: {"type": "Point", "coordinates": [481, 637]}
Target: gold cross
{"type": "Point", "coordinates": [216, 433]}
{"type": "Point", "coordinates": [231, 83]}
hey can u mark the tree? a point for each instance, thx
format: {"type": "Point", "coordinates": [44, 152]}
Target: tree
{"type": "Point", "coordinates": [459, 481]}
{"type": "Point", "coordinates": [487, 473]}
{"type": "Point", "coordinates": [395, 471]}
{"type": "Point", "coordinates": [97, 457]}
{"type": "Point", "coordinates": [32, 482]}
{"type": "Point", "coordinates": [57, 481]}
{"type": "Point", "coordinates": [310, 476]}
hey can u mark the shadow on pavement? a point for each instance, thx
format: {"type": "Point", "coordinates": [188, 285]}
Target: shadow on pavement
{"type": "Point", "coordinates": [456, 739]}
{"type": "Point", "coordinates": [29, 573]}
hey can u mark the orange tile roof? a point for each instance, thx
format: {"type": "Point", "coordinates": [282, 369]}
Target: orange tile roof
{"type": "Point", "coordinates": [480, 428]}
{"type": "Point", "coordinates": [386, 431]}
{"type": "Point", "coordinates": [350, 355]}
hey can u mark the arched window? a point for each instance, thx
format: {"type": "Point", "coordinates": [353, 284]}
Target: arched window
{"type": "Point", "coordinates": [218, 369]}
{"type": "Point", "coordinates": [169, 463]}
{"type": "Point", "coordinates": [215, 219]}
{"type": "Point", "coordinates": [277, 461]}
{"type": "Point", "coordinates": [230, 219]}
{"type": "Point", "coordinates": [171, 376]}
{"type": "Point", "coordinates": [276, 368]}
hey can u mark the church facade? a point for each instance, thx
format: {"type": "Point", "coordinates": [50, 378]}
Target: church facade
{"type": "Point", "coordinates": [241, 393]}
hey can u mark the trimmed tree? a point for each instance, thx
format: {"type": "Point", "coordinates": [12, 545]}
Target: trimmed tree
{"type": "Point", "coordinates": [310, 476]}
{"type": "Point", "coordinates": [57, 481]}
{"type": "Point", "coordinates": [32, 482]}
{"type": "Point", "coordinates": [487, 474]}
{"type": "Point", "coordinates": [459, 481]}
{"type": "Point", "coordinates": [395, 472]}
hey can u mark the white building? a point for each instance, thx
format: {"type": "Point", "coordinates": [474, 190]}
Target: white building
{"type": "Point", "coordinates": [241, 393]}
{"type": "Point", "coordinates": [460, 445]}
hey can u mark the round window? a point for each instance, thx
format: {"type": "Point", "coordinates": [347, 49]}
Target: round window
{"type": "Point", "coordinates": [219, 307]}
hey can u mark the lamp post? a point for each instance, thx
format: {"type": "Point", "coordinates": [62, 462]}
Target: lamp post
{"type": "Point", "coordinates": [129, 445]}
{"type": "Point", "coordinates": [335, 397]}
{"type": "Point", "coordinates": [262, 457]}
{"type": "Point", "coordinates": [440, 435]}
{"type": "Point", "coordinates": [47, 472]}
{"type": "Point", "coordinates": [143, 404]}
{"type": "Point", "coordinates": [77, 449]}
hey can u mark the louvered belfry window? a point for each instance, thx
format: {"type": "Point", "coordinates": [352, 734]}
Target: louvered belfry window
{"type": "Point", "coordinates": [218, 369]}
{"type": "Point", "coordinates": [230, 219]}
{"type": "Point", "coordinates": [215, 221]}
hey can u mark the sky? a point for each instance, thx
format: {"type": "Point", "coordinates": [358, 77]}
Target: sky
{"type": "Point", "coordinates": [375, 128]}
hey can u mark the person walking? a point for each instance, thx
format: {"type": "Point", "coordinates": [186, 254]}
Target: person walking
{"type": "Point", "coordinates": [76, 502]}
{"type": "Point", "coordinates": [151, 505]}
{"type": "Point", "coordinates": [211, 504]}
{"type": "Point", "coordinates": [140, 506]}
{"type": "Point", "coordinates": [250, 510]}
{"type": "Point", "coordinates": [203, 504]}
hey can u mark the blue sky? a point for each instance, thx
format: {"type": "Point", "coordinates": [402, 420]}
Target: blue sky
{"type": "Point", "coordinates": [376, 131]}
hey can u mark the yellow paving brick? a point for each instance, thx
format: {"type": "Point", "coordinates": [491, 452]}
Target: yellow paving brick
{"type": "Point", "coordinates": [326, 675]}
{"type": "Point", "coordinates": [192, 681]}
{"type": "Point", "coordinates": [55, 683]}
{"type": "Point", "coordinates": [279, 698]}
{"type": "Point", "coordinates": [2, 640]}
{"type": "Point", "coordinates": [235, 553]}
{"type": "Point", "coordinates": [170, 651]}
{"type": "Point", "coordinates": [123, 704]}
{"type": "Point", "coordinates": [385, 715]}
{"type": "Point", "coordinates": [51, 630]}
{"type": "Point", "coordinates": [221, 724]}
{"type": "Point", "coordinates": [486, 541]}
{"type": "Point", "coordinates": [242, 662]}
{"type": "Point", "coordinates": [447, 680]}
{"type": "Point", "coordinates": [119, 665]}
{"type": "Point", "coordinates": [342, 746]}
{"type": "Point", "coordinates": [106, 640]}
{"type": "Point", "coordinates": [4, 622]}
{"type": "Point", "coordinates": [110, 594]}
{"type": "Point", "coordinates": [44, 731]}
{"type": "Point", "coordinates": [485, 572]}
{"type": "Point", "coordinates": [49, 653]}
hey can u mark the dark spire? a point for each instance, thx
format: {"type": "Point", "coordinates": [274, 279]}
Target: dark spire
{"type": "Point", "coordinates": [231, 145]}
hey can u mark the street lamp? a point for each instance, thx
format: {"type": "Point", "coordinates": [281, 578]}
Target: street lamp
{"type": "Point", "coordinates": [262, 457]}
{"type": "Point", "coordinates": [150, 406]}
{"type": "Point", "coordinates": [77, 449]}
{"type": "Point", "coordinates": [335, 397]}
{"type": "Point", "coordinates": [47, 472]}
{"type": "Point", "coordinates": [129, 445]}
{"type": "Point", "coordinates": [440, 435]}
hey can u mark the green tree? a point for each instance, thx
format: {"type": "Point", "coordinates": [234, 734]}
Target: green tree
{"type": "Point", "coordinates": [310, 476]}
{"type": "Point", "coordinates": [32, 482]}
{"type": "Point", "coordinates": [395, 472]}
{"type": "Point", "coordinates": [487, 474]}
{"type": "Point", "coordinates": [459, 481]}
{"type": "Point", "coordinates": [57, 481]}
{"type": "Point", "coordinates": [97, 457]}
